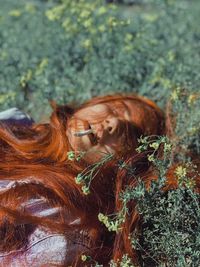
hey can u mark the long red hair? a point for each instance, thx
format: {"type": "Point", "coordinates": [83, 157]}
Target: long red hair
{"type": "Point", "coordinates": [38, 154]}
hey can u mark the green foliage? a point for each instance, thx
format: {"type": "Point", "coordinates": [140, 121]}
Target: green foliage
{"type": "Point", "coordinates": [87, 175]}
{"type": "Point", "coordinates": [187, 128]}
{"type": "Point", "coordinates": [170, 227]}
{"type": "Point", "coordinates": [72, 50]}
{"type": "Point", "coordinates": [169, 219]}
{"type": "Point", "coordinates": [125, 262]}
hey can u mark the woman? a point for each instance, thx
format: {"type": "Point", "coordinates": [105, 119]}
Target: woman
{"type": "Point", "coordinates": [49, 218]}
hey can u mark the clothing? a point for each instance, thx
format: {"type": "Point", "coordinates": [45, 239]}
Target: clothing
{"type": "Point", "coordinates": [43, 247]}
{"type": "Point", "coordinates": [14, 116]}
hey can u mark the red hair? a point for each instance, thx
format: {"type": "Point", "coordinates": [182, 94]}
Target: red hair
{"type": "Point", "coordinates": [39, 154]}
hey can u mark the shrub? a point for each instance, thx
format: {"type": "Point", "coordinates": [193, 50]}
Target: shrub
{"type": "Point", "coordinates": [170, 219]}
{"type": "Point", "coordinates": [169, 225]}
{"type": "Point", "coordinates": [72, 50]}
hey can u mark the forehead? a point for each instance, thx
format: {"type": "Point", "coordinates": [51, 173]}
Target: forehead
{"type": "Point", "coordinates": [95, 112]}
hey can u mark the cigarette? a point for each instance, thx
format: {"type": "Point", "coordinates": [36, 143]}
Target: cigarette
{"type": "Point", "coordinates": [82, 133]}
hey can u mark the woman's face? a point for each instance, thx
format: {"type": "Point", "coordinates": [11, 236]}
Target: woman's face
{"type": "Point", "coordinates": [113, 127]}
{"type": "Point", "coordinates": [95, 129]}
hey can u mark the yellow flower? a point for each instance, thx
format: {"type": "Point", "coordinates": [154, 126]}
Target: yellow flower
{"type": "Point", "coordinates": [112, 22]}
{"type": "Point", "coordinates": [150, 158]}
{"type": "Point", "coordinates": [50, 15]}
{"type": "Point", "coordinates": [190, 183]}
{"type": "Point", "coordinates": [150, 17]}
{"type": "Point", "coordinates": [43, 64]}
{"type": "Point", "coordinates": [86, 190]}
{"type": "Point", "coordinates": [83, 257]}
{"type": "Point", "coordinates": [55, 13]}
{"type": "Point", "coordinates": [3, 55]}
{"type": "Point", "coordinates": [102, 10]}
{"type": "Point", "coordinates": [79, 179]}
{"type": "Point", "coordinates": [192, 130]}
{"type": "Point", "coordinates": [87, 23]}
{"type": "Point", "coordinates": [102, 28]}
{"type": "Point", "coordinates": [128, 48]}
{"type": "Point", "coordinates": [174, 95]}
{"type": "Point", "coordinates": [71, 155]}
{"type": "Point", "coordinates": [15, 13]}
{"type": "Point", "coordinates": [113, 7]}
{"type": "Point", "coordinates": [66, 23]}
{"type": "Point", "coordinates": [167, 147]}
{"type": "Point", "coordinates": [192, 98]}
{"type": "Point", "coordinates": [30, 8]}
{"type": "Point", "coordinates": [171, 56]}
{"type": "Point", "coordinates": [25, 78]}
{"type": "Point", "coordinates": [100, 217]}
{"type": "Point", "coordinates": [154, 145]}
{"type": "Point", "coordinates": [85, 14]}
{"type": "Point", "coordinates": [128, 37]}
{"type": "Point", "coordinates": [180, 171]}
{"type": "Point", "coordinates": [87, 43]}
{"type": "Point", "coordinates": [6, 97]}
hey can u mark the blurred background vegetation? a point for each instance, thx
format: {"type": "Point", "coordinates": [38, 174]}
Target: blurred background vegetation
{"type": "Point", "coordinates": [70, 51]}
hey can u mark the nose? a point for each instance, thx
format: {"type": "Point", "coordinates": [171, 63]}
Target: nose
{"type": "Point", "coordinates": [110, 124]}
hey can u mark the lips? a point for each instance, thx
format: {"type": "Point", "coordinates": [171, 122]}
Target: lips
{"type": "Point", "coordinates": [99, 134]}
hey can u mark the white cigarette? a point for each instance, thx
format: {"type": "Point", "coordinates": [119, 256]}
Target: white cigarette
{"type": "Point", "coordinates": [82, 133]}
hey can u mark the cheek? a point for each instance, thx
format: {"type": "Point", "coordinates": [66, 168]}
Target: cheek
{"type": "Point", "coordinates": [83, 143]}
{"type": "Point", "coordinates": [78, 143]}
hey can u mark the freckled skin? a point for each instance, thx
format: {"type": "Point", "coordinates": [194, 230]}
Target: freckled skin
{"type": "Point", "coordinates": [104, 120]}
